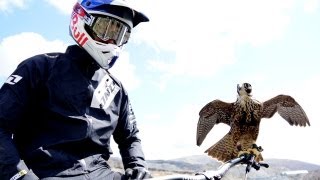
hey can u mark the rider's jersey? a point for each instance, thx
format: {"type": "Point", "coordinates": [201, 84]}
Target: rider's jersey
{"type": "Point", "coordinates": [62, 110]}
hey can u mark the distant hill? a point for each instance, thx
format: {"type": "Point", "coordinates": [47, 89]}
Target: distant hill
{"type": "Point", "coordinates": [192, 164]}
{"type": "Point", "coordinates": [292, 164]}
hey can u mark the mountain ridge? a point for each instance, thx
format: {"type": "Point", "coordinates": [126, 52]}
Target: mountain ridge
{"type": "Point", "coordinates": [279, 168]}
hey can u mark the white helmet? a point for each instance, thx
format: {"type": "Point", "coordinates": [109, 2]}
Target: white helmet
{"type": "Point", "coordinates": [102, 27]}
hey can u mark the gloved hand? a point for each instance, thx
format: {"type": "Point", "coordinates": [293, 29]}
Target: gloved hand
{"type": "Point", "coordinates": [137, 173]}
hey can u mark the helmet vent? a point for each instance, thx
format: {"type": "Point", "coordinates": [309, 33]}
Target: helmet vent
{"type": "Point", "coordinates": [88, 3]}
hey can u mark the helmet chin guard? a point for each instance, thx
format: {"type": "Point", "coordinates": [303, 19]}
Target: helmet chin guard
{"type": "Point", "coordinates": [107, 58]}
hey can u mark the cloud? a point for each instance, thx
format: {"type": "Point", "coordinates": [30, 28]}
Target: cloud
{"type": "Point", "coordinates": [201, 22]}
{"type": "Point", "coordinates": [125, 72]}
{"type": "Point", "coordinates": [204, 35]}
{"type": "Point", "coordinates": [311, 6]}
{"type": "Point", "coordinates": [16, 48]}
{"type": "Point", "coordinates": [8, 5]}
{"type": "Point", "coordinates": [65, 7]}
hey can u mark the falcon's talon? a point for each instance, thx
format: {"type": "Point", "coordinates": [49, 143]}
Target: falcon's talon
{"type": "Point", "coordinates": [250, 151]}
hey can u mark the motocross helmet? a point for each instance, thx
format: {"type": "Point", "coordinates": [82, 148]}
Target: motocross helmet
{"type": "Point", "coordinates": [102, 27]}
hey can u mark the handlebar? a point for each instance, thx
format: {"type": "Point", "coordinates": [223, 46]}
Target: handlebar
{"type": "Point", "coordinates": [244, 158]}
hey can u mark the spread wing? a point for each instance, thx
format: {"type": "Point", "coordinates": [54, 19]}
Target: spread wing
{"type": "Point", "coordinates": [287, 108]}
{"type": "Point", "coordinates": [213, 113]}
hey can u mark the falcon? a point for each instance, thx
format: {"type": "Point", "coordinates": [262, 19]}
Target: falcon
{"type": "Point", "coordinates": [244, 117]}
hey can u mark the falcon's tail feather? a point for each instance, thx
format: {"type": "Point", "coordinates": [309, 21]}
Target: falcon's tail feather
{"type": "Point", "coordinates": [227, 149]}
{"type": "Point", "coordinates": [223, 150]}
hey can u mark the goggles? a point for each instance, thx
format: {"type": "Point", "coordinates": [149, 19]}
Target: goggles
{"type": "Point", "coordinates": [109, 29]}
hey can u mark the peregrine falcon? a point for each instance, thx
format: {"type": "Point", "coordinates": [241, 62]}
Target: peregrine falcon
{"type": "Point", "coordinates": [244, 116]}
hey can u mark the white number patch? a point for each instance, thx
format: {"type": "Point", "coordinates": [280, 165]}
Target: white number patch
{"type": "Point", "coordinates": [104, 93]}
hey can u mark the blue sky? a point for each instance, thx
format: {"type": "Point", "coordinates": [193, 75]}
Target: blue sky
{"type": "Point", "coordinates": [189, 54]}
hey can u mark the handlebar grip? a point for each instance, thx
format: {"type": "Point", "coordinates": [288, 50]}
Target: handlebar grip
{"type": "Point", "coordinates": [264, 165]}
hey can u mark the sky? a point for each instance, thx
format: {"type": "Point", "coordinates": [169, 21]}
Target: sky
{"type": "Point", "coordinates": [190, 53]}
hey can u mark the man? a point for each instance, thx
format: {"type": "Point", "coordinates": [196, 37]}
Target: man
{"type": "Point", "coordinates": [58, 111]}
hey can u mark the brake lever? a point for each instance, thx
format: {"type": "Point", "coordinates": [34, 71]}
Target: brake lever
{"type": "Point", "coordinates": [257, 165]}
{"type": "Point", "coordinates": [264, 165]}
{"type": "Point", "coordinates": [250, 163]}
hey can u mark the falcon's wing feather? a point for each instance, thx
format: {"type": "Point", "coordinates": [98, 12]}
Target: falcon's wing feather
{"type": "Point", "coordinates": [212, 113]}
{"type": "Point", "coordinates": [287, 108]}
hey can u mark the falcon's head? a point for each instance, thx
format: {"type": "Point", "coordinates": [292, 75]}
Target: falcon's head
{"type": "Point", "coordinates": [245, 89]}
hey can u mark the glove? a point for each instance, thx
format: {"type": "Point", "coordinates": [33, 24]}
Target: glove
{"type": "Point", "coordinates": [137, 173]}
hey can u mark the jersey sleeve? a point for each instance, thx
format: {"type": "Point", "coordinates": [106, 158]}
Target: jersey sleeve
{"type": "Point", "coordinates": [126, 136]}
{"type": "Point", "coordinates": [14, 96]}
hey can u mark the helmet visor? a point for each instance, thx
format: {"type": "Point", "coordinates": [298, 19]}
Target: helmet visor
{"type": "Point", "coordinates": [109, 29]}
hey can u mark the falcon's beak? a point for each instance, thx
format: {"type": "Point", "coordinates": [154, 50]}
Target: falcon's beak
{"type": "Point", "coordinates": [238, 89]}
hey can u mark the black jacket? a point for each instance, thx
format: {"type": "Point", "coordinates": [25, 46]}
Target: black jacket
{"type": "Point", "coordinates": [57, 114]}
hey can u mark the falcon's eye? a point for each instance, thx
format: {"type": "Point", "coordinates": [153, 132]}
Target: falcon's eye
{"type": "Point", "coordinates": [247, 87]}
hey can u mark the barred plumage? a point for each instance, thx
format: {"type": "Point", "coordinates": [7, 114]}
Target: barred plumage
{"type": "Point", "coordinates": [244, 116]}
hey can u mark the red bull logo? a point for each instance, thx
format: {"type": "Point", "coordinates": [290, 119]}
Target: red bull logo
{"type": "Point", "coordinates": [80, 37]}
